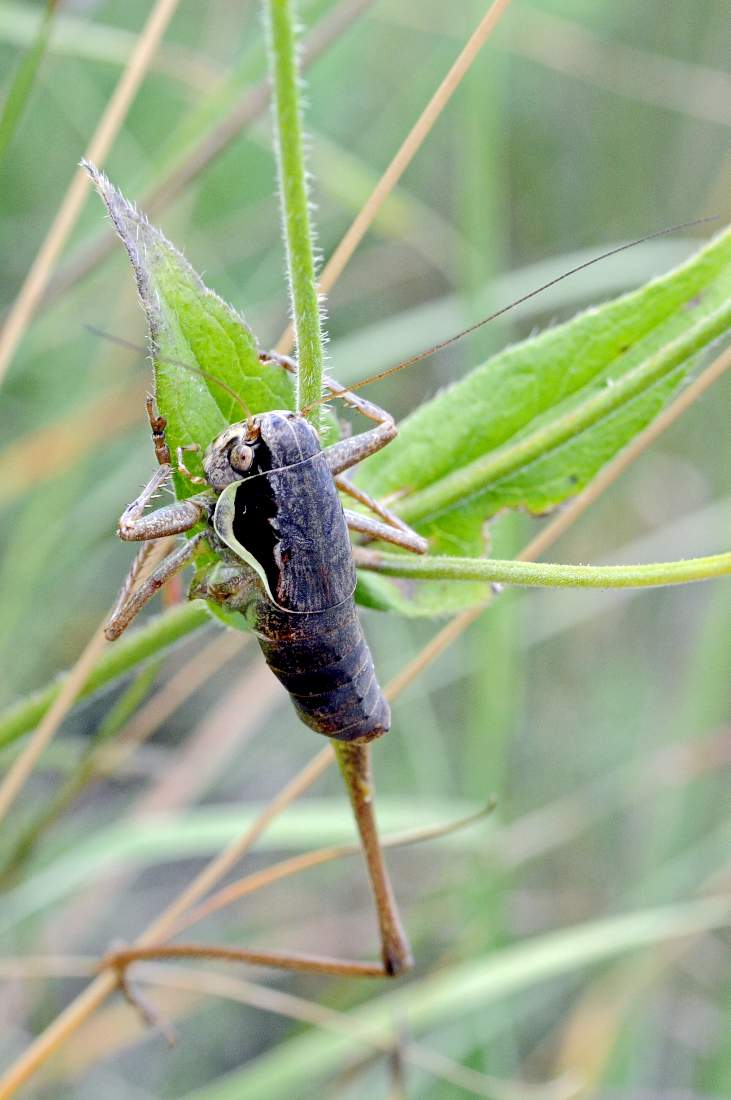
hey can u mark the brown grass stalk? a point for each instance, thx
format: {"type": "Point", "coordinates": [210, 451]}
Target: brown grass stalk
{"type": "Point", "coordinates": [23, 766]}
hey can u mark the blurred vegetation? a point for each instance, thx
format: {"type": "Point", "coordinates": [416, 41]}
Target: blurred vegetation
{"type": "Point", "coordinates": [600, 721]}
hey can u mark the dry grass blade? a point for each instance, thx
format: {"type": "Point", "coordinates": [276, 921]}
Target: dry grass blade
{"type": "Point", "coordinates": [184, 683]}
{"type": "Point", "coordinates": [22, 768]}
{"type": "Point", "coordinates": [257, 881]}
{"type": "Point", "coordinates": [227, 859]}
{"type": "Point", "coordinates": [410, 146]}
{"type": "Point", "coordinates": [15, 98]}
{"type": "Point", "coordinates": [241, 711]}
{"type": "Point", "coordinates": [205, 753]}
{"type": "Point", "coordinates": [79, 1010]}
{"type": "Point", "coordinates": [215, 984]}
{"type": "Point", "coordinates": [106, 759]}
{"type": "Point", "coordinates": [24, 463]}
{"type": "Point", "coordinates": [32, 967]}
{"type": "Point", "coordinates": [590, 1033]}
{"type": "Point", "coordinates": [74, 683]}
{"type": "Point", "coordinates": [671, 83]}
{"type": "Point", "coordinates": [114, 115]}
{"type": "Point", "coordinates": [212, 983]}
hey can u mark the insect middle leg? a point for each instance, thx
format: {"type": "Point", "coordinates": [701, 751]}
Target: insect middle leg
{"type": "Point", "coordinates": [407, 539]}
{"type": "Point", "coordinates": [173, 519]}
{"type": "Point", "coordinates": [349, 452]}
{"type": "Point", "coordinates": [343, 482]}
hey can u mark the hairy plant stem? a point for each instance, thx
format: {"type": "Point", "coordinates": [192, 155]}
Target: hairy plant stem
{"type": "Point", "coordinates": [546, 574]}
{"type": "Point", "coordinates": [354, 760]}
{"type": "Point", "coordinates": [305, 306]}
{"type": "Point", "coordinates": [171, 626]}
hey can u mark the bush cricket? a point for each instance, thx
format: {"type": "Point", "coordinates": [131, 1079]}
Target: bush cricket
{"type": "Point", "coordinates": [271, 512]}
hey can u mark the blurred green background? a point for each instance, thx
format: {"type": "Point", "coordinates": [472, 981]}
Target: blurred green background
{"type": "Point", "coordinates": [600, 721]}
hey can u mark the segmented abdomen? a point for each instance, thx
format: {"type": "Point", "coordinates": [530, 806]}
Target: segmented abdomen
{"type": "Point", "coordinates": [323, 660]}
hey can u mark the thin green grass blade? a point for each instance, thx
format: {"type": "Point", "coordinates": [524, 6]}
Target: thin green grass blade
{"type": "Point", "coordinates": [21, 84]}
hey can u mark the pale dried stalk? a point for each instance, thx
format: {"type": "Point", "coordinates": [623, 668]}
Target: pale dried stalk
{"type": "Point", "coordinates": [95, 994]}
{"type": "Point", "coordinates": [257, 880]}
{"type": "Point", "coordinates": [22, 768]}
{"type": "Point", "coordinates": [20, 771]}
{"type": "Point", "coordinates": [184, 683]}
{"type": "Point", "coordinates": [114, 115]}
{"type": "Point", "coordinates": [277, 1001]}
{"type": "Point", "coordinates": [213, 144]}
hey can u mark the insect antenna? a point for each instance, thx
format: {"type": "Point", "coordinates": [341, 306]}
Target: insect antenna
{"type": "Point", "coordinates": [506, 309]}
{"type": "Point", "coordinates": [131, 346]}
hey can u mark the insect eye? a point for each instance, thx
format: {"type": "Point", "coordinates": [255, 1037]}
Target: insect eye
{"type": "Point", "coordinates": [241, 458]}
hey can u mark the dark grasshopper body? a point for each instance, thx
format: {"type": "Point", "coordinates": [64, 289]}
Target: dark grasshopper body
{"type": "Point", "coordinates": [283, 522]}
{"type": "Point", "coordinates": [270, 511]}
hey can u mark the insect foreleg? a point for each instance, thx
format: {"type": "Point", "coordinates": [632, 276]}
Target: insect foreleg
{"type": "Point", "coordinates": [173, 519]}
{"type": "Point", "coordinates": [158, 424]}
{"type": "Point", "coordinates": [407, 539]}
{"type": "Point", "coordinates": [132, 600]}
{"type": "Point", "coordinates": [183, 469]}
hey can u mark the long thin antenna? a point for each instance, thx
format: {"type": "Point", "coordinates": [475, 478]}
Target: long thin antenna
{"type": "Point", "coordinates": [518, 301]}
{"type": "Point", "coordinates": [131, 346]}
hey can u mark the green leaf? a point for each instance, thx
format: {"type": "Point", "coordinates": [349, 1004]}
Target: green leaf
{"type": "Point", "coordinates": [190, 326]}
{"type": "Point", "coordinates": [534, 424]}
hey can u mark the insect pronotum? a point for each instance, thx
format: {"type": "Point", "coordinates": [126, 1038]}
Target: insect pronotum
{"type": "Point", "coordinates": [272, 513]}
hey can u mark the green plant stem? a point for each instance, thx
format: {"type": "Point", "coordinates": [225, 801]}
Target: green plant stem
{"type": "Point", "coordinates": [546, 574]}
{"type": "Point", "coordinates": [294, 202]}
{"type": "Point", "coordinates": [506, 460]}
{"type": "Point", "coordinates": [168, 628]}
{"type": "Point", "coordinates": [163, 631]}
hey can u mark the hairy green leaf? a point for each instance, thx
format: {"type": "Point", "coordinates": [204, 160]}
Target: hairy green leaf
{"type": "Point", "coordinates": [191, 327]}
{"type": "Point", "coordinates": [533, 425]}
